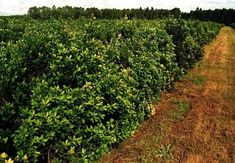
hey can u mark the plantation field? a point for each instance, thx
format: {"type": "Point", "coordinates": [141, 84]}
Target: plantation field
{"type": "Point", "coordinates": [72, 89]}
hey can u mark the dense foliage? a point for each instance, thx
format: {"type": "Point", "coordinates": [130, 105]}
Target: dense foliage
{"type": "Point", "coordinates": [69, 90]}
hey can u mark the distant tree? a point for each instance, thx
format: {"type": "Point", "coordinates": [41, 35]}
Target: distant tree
{"type": "Point", "coordinates": [34, 12]}
{"type": "Point", "coordinates": [176, 13]}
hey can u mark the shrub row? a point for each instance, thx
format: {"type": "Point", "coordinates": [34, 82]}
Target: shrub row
{"type": "Point", "coordinates": [69, 90]}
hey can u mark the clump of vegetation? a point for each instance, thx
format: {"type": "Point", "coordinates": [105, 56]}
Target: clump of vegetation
{"type": "Point", "coordinates": [165, 152]}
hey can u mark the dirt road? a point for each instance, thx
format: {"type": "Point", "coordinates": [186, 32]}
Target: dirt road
{"type": "Point", "coordinates": [195, 122]}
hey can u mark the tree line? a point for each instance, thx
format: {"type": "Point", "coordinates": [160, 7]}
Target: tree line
{"type": "Point", "coordinates": [78, 12]}
{"type": "Point", "coordinates": [224, 16]}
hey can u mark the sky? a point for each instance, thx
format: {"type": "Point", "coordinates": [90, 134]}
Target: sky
{"type": "Point", "coordinates": [22, 6]}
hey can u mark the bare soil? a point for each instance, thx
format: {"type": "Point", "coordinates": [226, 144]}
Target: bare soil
{"type": "Point", "coordinates": [195, 123]}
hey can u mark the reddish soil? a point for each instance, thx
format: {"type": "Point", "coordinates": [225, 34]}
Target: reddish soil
{"type": "Point", "coordinates": [196, 122]}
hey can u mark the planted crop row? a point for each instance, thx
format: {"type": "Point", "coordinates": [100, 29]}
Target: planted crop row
{"type": "Point", "coordinates": [69, 90]}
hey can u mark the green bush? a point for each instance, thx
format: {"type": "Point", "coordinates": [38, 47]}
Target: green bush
{"type": "Point", "coordinates": [189, 37]}
{"type": "Point", "coordinates": [72, 89]}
